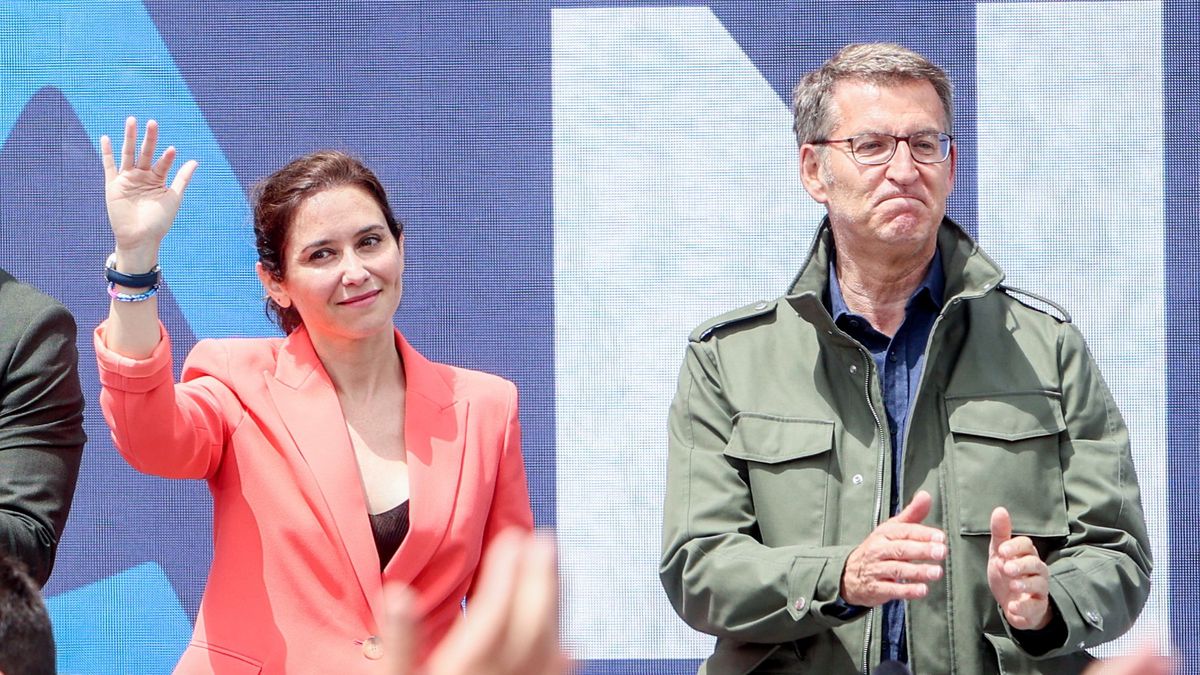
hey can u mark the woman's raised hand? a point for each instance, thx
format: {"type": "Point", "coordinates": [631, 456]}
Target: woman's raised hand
{"type": "Point", "coordinates": [141, 206]}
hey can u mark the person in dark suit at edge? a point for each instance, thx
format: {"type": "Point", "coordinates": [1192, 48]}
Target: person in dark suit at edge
{"type": "Point", "coordinates": [41, 424]}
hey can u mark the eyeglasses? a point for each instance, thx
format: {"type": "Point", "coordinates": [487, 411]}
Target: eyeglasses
{"type": "Point", "coordinates": [871, 149]}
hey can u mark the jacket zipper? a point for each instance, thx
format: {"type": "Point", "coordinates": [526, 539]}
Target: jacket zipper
{"type": "Point", "coordinates": [879, 478]}
{"type": "Point", "coordinates": [866, 667]}
{"type": "Point", "coordinates": [908, 429]}
{"type": "Point", "coordinates": [925, 368]}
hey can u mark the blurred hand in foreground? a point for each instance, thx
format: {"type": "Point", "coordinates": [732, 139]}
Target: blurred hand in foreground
{"type": "Point", "coordinates": [511, 623]}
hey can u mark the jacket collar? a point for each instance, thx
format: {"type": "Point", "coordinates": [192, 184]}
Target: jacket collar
{"type": "Point", "coordinates": [434, 438]}
{"type": "Point", "coordinates": [297, 362]}
{"type": "Point", "coordinates": [969, 272]}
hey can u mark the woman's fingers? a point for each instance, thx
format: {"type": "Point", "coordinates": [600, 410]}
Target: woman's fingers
{"type": "Point", "coordinates": [106, 157]}
{"type": "Point", "coordinates": [163, 165]}
{"type": "Point", "coordinates": [129, 143]}
{"type": "Point", "coordinates": [183, 176]}
{"type": "Point", "coordinates": [149, 141]}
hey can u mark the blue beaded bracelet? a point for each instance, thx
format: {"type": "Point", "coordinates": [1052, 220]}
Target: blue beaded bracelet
{"type": "Point", "coordinates": [131, 297]}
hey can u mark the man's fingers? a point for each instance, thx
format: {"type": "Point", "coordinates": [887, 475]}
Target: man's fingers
{"type": "Point", "coordinates": [886, 591]}
{"type": "Point", "coordinates": [1001, 526]}
{"type": "Point", "coordinates": [917, 510]}
{"type": "Point", "coordinates": [907, 549]}
{"type": "Point", "coordinates": [1017, 547]}
{"type": "Point", "coordinates": [1029, 565]}
{"type": "Point", "coordinates": [1034, 585]}
{"type": "Point", "coordinates": [895, 531]}
{"type": "Point", "coordinates": [1023, 610]}
{"type": "Point", "coordinates": [904, 572]}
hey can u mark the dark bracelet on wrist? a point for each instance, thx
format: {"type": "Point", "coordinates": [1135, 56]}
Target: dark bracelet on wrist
{"type": "Point", "coordinates": [143, 280]}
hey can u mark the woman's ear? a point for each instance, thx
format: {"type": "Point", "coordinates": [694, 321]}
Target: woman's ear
{"type": "Point", "coordinates": [272, 286]}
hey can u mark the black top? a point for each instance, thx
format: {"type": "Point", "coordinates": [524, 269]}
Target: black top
{"type": "Point", "coordinates": [389, 528]}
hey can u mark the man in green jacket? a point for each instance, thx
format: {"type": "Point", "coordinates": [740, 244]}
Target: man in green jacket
{"type": "Point", "coordinates": [898, 460]}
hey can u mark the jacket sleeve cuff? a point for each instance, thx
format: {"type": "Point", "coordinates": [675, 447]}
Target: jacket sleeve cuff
{"type": "Point", "coordinates": [1037, 643]}
{"type": "Point", "coordinates": [824, 599]}
{"type": "Point", "coordinates": [1079, 625]}
{"type": "Point", "coordinates": [126, 374]}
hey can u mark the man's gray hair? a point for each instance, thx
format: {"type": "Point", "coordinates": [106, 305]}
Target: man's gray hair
{"type": "Point", "coordinates": [876, 63]}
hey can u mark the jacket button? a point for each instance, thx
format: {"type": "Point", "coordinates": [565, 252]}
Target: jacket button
{"type": "Point", "coordinates": [799, 605]}
{"type": "Point", "coordinates": [857, 479]}
{"type": "Point", "coordinates": [1093, 617]}
{"type": "Point", "coordinates": [373, 648]}
{"type": "Point", "coordinates": [853, 368]}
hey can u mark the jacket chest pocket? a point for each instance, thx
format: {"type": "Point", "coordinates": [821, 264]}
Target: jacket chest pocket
{"type": "Point", "coordinates": [1005, 449]}
{"type": "Point", "coordinates": [787, 463]}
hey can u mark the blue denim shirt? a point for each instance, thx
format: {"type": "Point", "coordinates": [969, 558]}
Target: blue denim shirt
{"type": "Point", "coordinates": [899, 362]}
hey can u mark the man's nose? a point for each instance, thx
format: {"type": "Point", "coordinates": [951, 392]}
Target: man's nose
{"type": "Point", "coordinates": [902, 168]}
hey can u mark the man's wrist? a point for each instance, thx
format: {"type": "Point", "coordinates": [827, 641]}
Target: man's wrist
{"type": "Point", "coordinates": [844, 611]}
{"type": "Point", "coordinates": [1043, 640]}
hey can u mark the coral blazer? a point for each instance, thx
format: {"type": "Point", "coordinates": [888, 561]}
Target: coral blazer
{"type": "Point", "coordinates": [295, 584]}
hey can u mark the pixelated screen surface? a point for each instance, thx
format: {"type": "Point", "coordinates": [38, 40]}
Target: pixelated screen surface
{"type": "Point", "coordinates": [582, 183]}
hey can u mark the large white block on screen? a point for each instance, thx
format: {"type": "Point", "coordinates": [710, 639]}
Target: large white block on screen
{"type": "Point", "coordinates": [676, 198]}
{"type": "Point", "coordinates": [1071, 205]}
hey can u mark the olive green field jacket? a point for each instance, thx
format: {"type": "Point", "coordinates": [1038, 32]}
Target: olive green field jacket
{"type": "Point", "coordinates": [779, 464]}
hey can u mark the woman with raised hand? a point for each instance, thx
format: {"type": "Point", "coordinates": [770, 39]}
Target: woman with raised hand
{"type": "Point", "coordinates": [338, 458]}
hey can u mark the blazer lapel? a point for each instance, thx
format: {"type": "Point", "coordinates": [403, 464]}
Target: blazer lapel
{"type": "Point", "coordinates": [307, 402]}
{"type": "Point", "coordinates": [434, 439]}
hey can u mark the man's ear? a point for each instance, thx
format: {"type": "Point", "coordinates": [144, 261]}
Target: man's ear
{"type": "Point", "coordinates": [272, 286]}
{"type": "Point", "coordinates": [811, 175]}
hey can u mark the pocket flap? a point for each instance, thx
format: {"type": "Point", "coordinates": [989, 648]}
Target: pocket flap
{"type": "Point", "coordinates": [1007, 417]}
{"type": "Point", "coordinates": [772, 439]}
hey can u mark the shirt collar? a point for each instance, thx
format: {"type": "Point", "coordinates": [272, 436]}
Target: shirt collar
{"type": "Point", "coordinates": [933, 287]}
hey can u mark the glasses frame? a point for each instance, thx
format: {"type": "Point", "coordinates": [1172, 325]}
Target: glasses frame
{"type": "Point", "coordinates": [949, 146]}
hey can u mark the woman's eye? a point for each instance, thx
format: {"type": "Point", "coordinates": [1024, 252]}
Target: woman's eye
{"type": "Point", "coordinates": [320, 254]}
{"type": "Point", "coordinates": [372, 240]}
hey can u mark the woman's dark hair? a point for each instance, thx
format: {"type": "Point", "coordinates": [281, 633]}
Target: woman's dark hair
{"type": "Point", "coordinates": [278, 197]}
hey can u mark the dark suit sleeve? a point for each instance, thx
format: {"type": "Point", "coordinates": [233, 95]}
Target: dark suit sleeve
{"type": "Point", "coordinates": [41, 437]}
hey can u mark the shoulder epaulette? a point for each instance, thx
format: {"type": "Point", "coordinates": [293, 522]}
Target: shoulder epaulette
{"type": "Point", "coordinates": [728, 318]}
{"type": "Point", "coordinates": [1063, 315]}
